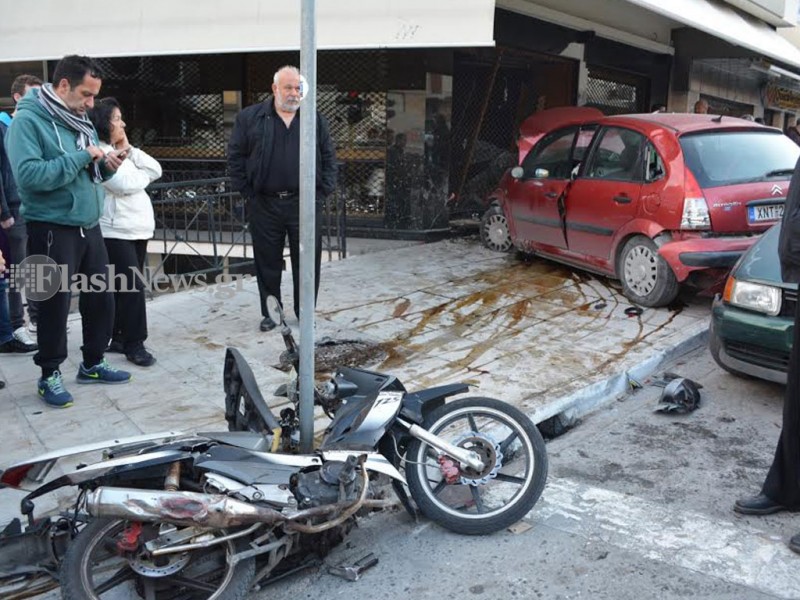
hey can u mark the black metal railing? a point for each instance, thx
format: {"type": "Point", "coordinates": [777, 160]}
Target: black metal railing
{"type": "Point", "coordinates": [205, 219]}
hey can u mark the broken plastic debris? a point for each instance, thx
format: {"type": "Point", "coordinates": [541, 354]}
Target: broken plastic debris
{"type": "Point", "coordinates": [680, 396]}
{"type": "Point", "coordinates": [633, 384]}
{"type": "Point", "coordinates": [354, 571]}
{"type": "Point", "coordinates": [520, 527]}
{"type": "Point", "coordinates": [668, 376]}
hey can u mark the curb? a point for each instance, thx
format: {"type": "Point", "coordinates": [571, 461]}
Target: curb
{"type": "Point", "coordinates": [568, 409]}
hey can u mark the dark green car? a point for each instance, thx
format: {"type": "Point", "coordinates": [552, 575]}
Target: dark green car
{"type": "Point", "coordinates": [752, 322]}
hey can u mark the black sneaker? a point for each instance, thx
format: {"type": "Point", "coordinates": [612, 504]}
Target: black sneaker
{"type": "Point", "coordinates": [267, 324]}
{"type": "Point", "coordinates": [17, 347]}
{"type": "Point", "coordinates": [141, 357]}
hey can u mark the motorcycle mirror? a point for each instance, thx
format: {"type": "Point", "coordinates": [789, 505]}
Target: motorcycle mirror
{"type": "Point", "coordinates": [274, 310]}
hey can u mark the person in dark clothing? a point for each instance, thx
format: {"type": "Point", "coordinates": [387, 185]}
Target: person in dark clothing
{"type": "Point", "coordinates": [398, 175]}
{"type": "Point", "coordinates": [59, 168]}
{"type": "Point", "coordinates": [793, 134]}
{"type": "Point", "coordinates": [781, 489]}
{"type": "Point", "coordinates": [8, 343]}
{"type": "Point", "coordinates": [12, 221]}
{"type": "Point", "coordinates": [264, 166]}
{"type": "Point", "coordinates": [5, 324]}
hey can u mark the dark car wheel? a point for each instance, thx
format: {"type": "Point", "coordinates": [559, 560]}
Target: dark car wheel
{"type": "Point", "coordinates": [494, 230]}
{"type": "Point", "coordinates": [646, 278]}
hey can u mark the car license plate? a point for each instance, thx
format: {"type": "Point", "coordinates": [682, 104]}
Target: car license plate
{"type": "Point", "coordinates": [764, 212]}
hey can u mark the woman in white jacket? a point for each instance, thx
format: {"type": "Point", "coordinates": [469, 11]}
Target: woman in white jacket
{"type": "Point", "coordinates": [127, 223]}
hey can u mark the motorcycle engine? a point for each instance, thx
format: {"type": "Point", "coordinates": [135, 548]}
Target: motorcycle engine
{"type": "Point", "coordinates": [321, 486]}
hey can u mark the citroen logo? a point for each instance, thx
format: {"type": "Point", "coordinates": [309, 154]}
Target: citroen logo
{"type": "Point", "coordinates": [776, 190]}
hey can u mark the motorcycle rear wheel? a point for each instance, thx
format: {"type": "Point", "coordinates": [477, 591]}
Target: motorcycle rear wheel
{"type": "Point", "coordinates": [93, 570]}
{"type": "Point", "coordinates": [503, 492]}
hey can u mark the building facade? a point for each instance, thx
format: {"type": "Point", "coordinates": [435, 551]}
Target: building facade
{"type": "Point", "coordinates": [424, 99]}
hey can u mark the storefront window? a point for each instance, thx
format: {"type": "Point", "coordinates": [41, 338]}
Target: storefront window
{"type": "Point", "coordinates": [418, 154]}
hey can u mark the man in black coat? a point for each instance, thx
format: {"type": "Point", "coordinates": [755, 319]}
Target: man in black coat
{"type": "Point", "coordinates": [264, 166]}
{"type": "Point", "coordinates": [781, 489]}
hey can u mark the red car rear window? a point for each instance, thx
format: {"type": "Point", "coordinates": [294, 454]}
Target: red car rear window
{"type": "Point", "coordinates": [720, 158]}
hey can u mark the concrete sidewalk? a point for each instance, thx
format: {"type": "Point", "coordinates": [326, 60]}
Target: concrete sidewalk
{"type": "Point", "coordinates": [534, 334]}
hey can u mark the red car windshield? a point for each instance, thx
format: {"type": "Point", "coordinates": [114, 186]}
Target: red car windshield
{"type": "Point", "coordinates": [719, 158]}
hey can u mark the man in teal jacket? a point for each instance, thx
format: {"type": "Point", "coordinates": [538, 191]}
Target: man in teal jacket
{"type": "Point", "coordinates": [58, 168]}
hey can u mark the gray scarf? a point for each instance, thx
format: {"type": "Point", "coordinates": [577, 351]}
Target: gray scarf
{"type": "Point", "coordinates": [80, 125]}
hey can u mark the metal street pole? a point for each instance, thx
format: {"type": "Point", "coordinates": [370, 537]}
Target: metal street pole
{"type": "Point", "coordinates": [308, 184]}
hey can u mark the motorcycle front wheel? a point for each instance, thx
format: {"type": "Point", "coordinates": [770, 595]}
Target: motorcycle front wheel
{"type": "Point", "coordinates": [503, 492]}
{"type": "Point", "coordinates": [94, 568]}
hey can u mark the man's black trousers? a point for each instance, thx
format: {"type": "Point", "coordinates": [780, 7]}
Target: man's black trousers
{"type": "Point", "coordinates": [271, 220]}
{"type": "Point", "coordinates": [82, 251]}
{"type": "Point", "coordinates": [782, 484]}
{"type": "Point", "coordinates": [130, 312]}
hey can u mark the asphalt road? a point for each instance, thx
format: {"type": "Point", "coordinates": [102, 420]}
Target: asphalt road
{"type": "Point", "coordinates": [638, 505]}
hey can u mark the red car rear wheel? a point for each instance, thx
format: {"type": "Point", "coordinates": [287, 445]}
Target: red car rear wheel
{"type": "Point", "coordinates": [646, 278]}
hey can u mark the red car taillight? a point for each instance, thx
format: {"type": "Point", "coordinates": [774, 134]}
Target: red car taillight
{"type": "Point", "coordinates": [695, 209]}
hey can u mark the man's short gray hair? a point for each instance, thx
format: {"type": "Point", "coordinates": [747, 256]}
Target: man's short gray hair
{"type": "Point", "coordinates": [291, 68]}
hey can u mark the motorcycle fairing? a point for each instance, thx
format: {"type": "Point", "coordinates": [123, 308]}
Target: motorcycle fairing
{"type": "Point", "coordinates": [245, 407]}
{"type": "Point", "coordinates": [374, 462]}
{"type": "Point", "coordinates": [117, 467]}
{"type": "Point", "coordinates": [245, 466]}
{"type": "Point", "coordinates": [37, 467]}
{"type": "Point", "coordinates": [241, 439]}
{"type": "Point", "coordinates": [418, 404]}
{"type": "Point", "coordinates": [362, 418]}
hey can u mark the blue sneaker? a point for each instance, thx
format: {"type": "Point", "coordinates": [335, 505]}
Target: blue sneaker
{"type": "Point", "coordinates": [102, 373]}
{"type": "Point", "coordinates": [52, 391]}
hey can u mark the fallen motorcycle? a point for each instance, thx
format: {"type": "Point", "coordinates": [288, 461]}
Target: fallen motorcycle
{"type": "Point", "coordinates": [210, 515]}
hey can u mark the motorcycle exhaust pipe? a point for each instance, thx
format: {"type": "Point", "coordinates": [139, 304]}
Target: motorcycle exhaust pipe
{"type": "Point", "coordinates": [177, 507]}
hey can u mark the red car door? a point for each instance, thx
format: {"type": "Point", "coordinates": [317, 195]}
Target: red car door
{"type": "Point", "coordinates": [605, 195]}
{"type": "Point", "coordinates": [533, 199]}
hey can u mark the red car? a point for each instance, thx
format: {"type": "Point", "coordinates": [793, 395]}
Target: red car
{"type": "Point", "coordinates": [654, 200]}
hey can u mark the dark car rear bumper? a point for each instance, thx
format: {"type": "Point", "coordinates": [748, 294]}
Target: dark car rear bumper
{"type": "Point", "coordinates": [749, 342]}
